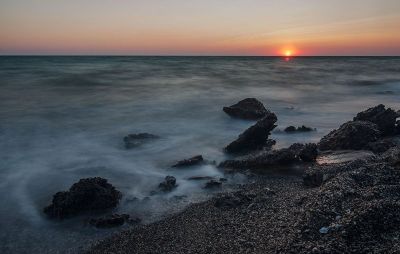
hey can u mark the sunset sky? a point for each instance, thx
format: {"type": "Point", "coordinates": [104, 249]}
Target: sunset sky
{"type": "Point", "coordinates": [206, 27]}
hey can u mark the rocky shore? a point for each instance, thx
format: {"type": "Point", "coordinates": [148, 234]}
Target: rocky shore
{"type": "Point", "coordinates": [347, 206]}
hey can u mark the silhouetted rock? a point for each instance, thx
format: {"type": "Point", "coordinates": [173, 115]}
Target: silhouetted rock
{"type": "Point", "coordinates": [250, 109]}
{"type": "Point", "coordinates": [384, 118]}
{"type": "Point", "coordinates": [353, 135]}
{"type": "Point", "coordinates": [109, 221]}
{"type": "Point", "coordinates": [292, 129]}
{"type": "Point", "coordinates": [213, 184]}
{"type": "Point", "coordinates": [169, 184]}
{"type": "Point", "coordinates": [134, 140]}
{"type": "Point", "coordinates": [309, 153]}
{"type": "Point", "coordinates": [89, 194]}
{"type": "Point", "coordinates": [196, 160]}
{"type": "Point", "coordinates": [255, 137]}
{"type": "Point", "coordinates": [285, 156]}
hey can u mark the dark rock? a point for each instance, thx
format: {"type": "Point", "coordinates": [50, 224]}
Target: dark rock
{"type": "Point", "coordinates": [168, 185]}
{"type": "Point", "coordinates": [398, 127]}
{"type": "Point", "coordinates": [392, 156]}
{"type": "Point", "coordinates": [213, 184]}
{"type": "Point", "coordinates": [309, 153]}
{"type": "Point", "coordinates": [249, 109]}
{"type": "Point", "coordinates": [134, 140]}
{"type": "Point", "coordinates": [196, 160]}
{"type": "Point", "coordinates": [292, 129]}
{"type": "Point", "coordinates": [384, 118]}
{"type": "Point", "coordinates": [110, 221]}
{"type": "Point", "coordinates": [262, 160]}
{"type": "Point", "coordinates": [89, 194]}
{"type": "Point", "coordinates": [353, 135]}
{"type": "Point", "coordinates": [255, 137]}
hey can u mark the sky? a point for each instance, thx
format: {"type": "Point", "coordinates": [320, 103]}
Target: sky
{"type": "Point", "coordinates": [202, 27]}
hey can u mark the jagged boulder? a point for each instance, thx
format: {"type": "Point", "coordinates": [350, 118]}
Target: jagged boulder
{"type": "Point", "coordinates": [134, 140]}
{"type": "Point", "coordinates": [353, 135]}
{"type": "Point", "coordinates": [89, 194]}
{"type": "Point", "coordinates": [385, 119]}
{"type": "Point", "coordinates": [255, 137]}
{"type": "Point", "coordinates": [249, 109]}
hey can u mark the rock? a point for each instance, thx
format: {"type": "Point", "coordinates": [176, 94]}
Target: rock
{"type": "Point", "coordinates": [353, 135]}
{"type": "Point", "coordinates": [89, 194]}
{"type": "Point", "coordinates": [230, 201]}
{"type": "Point", "coordinates": [324, 230]}
{"type": "Point", "coordinates": [265, 159]}
{"type": "Point", "coordinates": [196, 160]}
{"type": "Point", "coordinates": [249, 109]}
{"type": "Point", "coordinates": [385, 119]}
{"type": "Point", "coordinates": [255, 137]}
{"type": "Point", "coordinates": [392, 156]}
{"type": "Point", "coordinates": [213, 184]}
{"type": "Point", "coordinates": [110, 221]}
{"type": "Point", "coordinates": [292, 129]}
{"type": "Point", "coordinates": [398, 127]}
{"type": "Point", "coordinates": [134, 140]}
{"type": "Point", "coordinates": [309, 153]}
{"type": "Point", "coordinates": [168, 185]}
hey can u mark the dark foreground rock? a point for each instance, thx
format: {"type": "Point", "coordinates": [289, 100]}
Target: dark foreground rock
{"type": "Point", "coordinates": [353, 135]}
{"type": "Point", "coordinates": [89, 194]}
{"type": "Point", "coordinates": [384, 118]}
{"type": "Point", "coordinates": [168, 185]}
{"type": "Point", "coordinates": [114, 220]}
{"type": "Point", "coordinates": [255, 137]}
{"type": "Point", "coordinates": [195, 160]}
{"type": "Point", "coordinates": [294, 154]}
{"type": "Point", "coordinates": [249, 109]}
{"type": "Point", "coordinates": [134, 140]}
{"type": "Point", "coordinates": [292, 129]}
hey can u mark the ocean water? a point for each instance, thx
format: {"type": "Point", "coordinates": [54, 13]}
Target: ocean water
{"type": "Point", "coordinates": [63, 118]}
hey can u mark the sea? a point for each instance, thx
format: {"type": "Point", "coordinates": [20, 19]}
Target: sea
{"type": "Point", "coordinates": [63, 118]}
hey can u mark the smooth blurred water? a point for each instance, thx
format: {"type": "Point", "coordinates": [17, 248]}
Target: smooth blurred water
{"type": "Point", "coordinates": [63, 118]}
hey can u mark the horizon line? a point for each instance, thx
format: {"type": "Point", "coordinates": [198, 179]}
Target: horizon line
{"type": "Point", "coordinates": [133, 55]}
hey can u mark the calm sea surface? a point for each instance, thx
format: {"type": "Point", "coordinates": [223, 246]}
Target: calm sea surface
{"type": "Point", "coordinates": [63, 118]}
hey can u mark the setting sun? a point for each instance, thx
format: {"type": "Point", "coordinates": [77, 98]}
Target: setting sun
{"type": "Point", "coordinates": [288, 53]}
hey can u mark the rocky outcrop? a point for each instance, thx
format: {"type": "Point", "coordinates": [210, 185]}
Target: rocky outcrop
{"type": "Point", "coordinates": [255, 137]}
{"type": "Point", "coordinates": [168, 185]}
{"type": "Point", "coordinates": [286, 156]}
{"type": "Point", "coordinates": [134, 140]}
{"type": "Point", "coordinates": [292, 129]}
{"type": "Point", "coordinates": [196, 160]}
{"type": "Point", "coordinates": [385, 119]}
{"type": "Point", "coordinates": [353, 135]}
{"type": "Point", "coordinates": [114, 220]}
{"type": "Point", "coordinates": [89, 194]}
{"type": "Point", "coordinates": [249, 109]}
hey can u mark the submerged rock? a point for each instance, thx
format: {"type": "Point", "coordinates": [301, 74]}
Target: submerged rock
{"type": "Point", "coordinates": [168, 185]}
{"type": "Point", "coordinates": [354, 135]}
{"type": "Point", "coordinates": [385, 119]}
{"type": "Point", "coordinates": [196, 160]}
{"type": "Point", "coordinates": [249, 109]}
{"type": "Point", "coordinates": [292, 129]}
{"type": "Point", "coordinates": [113, 220]}
{"type": "Point", "coordinates": [200, 178]}
{"type": "Point", "coordinates": [134, 140]}
{"type": "Point", "coordinates": [286, 156]}
{"type": "Point", "coordinates": [255, 137]}
{"type": "Point", "coordinates": [89, 194]}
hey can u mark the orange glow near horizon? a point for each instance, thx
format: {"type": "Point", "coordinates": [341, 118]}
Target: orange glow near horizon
{"type": "Point", "coordinates": [288, 52]}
